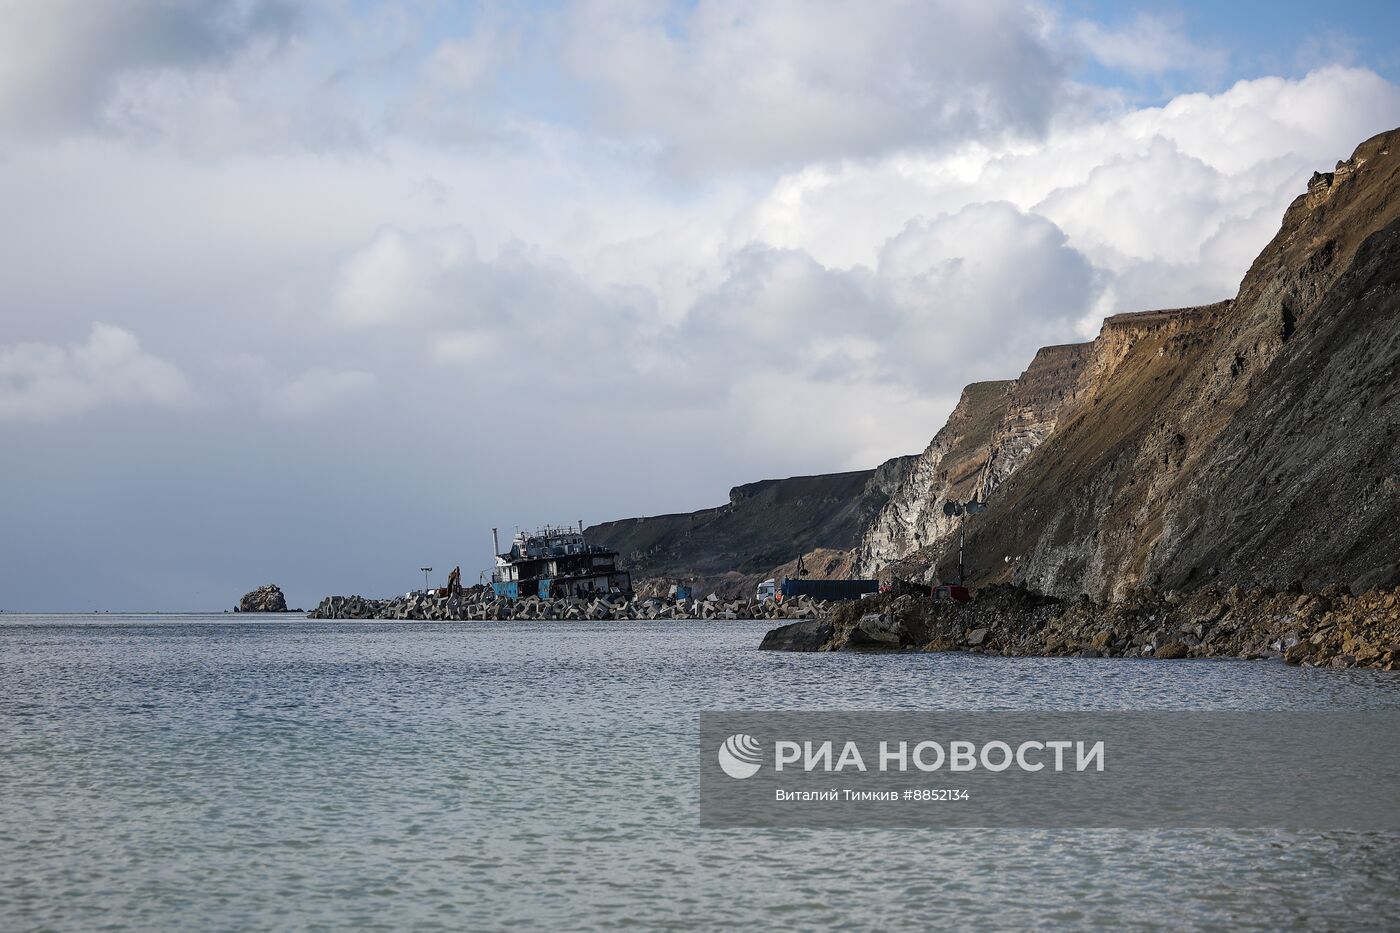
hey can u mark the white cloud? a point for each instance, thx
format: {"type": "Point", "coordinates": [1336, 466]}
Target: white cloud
{"type": "Point", "coordinates": [244, 104]}
{"type": "Point", "coordinates": [60, 59]}
{"type": "Point", "coordinates": [796, 423]}
{"type": "Point", "coordinates": [465, 347]}
{"type": "Point", "coordinates": [41, 382]}
{"type": "Point", "coordinates": [519, 304]}
{"type": "Point", "coordinates": [1119, 210]}
{"type": "Point", "coordinates": [727, 82]}
{"type": "Point", "coordinates": [899, 277]}
{"type": "Point", "coordinates": [1149, 45]}
{"type": "Point", "coordinates": [317, 391]}
{"type": "Point", "coordinates": [953, 298]}
{"type": "Point", "coordinates": [397, 278]}
{"type": "Point", "coordinates": [980, 290]}
{"type": "Point", "coordinates": [454, 97]}
{"type": "Point", "coordinates": [1181, 196]}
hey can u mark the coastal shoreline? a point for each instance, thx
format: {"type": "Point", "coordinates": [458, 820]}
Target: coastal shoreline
{"type": "Point", "coordinates": [1330, 628]}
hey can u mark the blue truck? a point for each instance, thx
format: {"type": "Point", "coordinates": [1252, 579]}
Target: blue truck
{"type": "Point", "coordinates": [828, 589]}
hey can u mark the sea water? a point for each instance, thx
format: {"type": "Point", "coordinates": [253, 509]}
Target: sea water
{"type": "Point", "coordinates": [197, 772]}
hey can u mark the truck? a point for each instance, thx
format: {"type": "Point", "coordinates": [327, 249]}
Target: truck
{"type": "Point", "coordinates": [827, 590]}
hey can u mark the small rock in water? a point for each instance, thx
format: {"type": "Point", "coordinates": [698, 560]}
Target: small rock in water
{"type": "Point", "coordinates": [264, 599]}
{"type": "Point", "coordinates": [807, 635]}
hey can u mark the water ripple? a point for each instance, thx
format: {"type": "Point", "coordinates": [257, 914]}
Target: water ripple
{"type": "Point", "coordinates": [192, 772]}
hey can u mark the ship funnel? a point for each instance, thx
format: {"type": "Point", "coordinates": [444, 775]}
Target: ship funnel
{"type": "Point", "coordinates": [495, 543]}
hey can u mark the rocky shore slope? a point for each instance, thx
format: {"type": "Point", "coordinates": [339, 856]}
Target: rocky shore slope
{"type": "Point", "coordinates": [1331, 628]}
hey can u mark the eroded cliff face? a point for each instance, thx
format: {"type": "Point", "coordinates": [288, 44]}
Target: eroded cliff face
{"type": "Point", "coordinates": [992, 431]}
{"type": "Point", "coordinates": [1250, 441]}
{"type": "Point", "coordinates": [1035, 403]}
{"type": "Point", "coordinates": [947, 471]}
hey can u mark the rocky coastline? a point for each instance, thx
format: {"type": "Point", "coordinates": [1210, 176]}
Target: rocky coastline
{"type": "Point", "coordinates": [1330, 628]}
{"type": "Point", "coordinates": [479, 607]}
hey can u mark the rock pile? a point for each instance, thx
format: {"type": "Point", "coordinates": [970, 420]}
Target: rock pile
{"type": "Point", "coordinates": [264, 599]}
{"type": "Point", "coordinates": [1330, 628]}
{"type": "Point", "coordinates": [482, 608]}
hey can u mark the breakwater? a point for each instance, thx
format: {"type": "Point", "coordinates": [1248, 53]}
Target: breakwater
{"type": "Point", "coordinates": [476, 607]}
{"type": "Point", "coordinates": [1330, 628]}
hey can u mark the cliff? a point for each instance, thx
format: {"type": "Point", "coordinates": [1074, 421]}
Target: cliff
{"type": "Point", "coordinates": [1253, 441]}
{"type": "Point", "coordinates": [730, 548]}
{"type": "Point", "coordinates": [1034, 404]}
{"type": "Point", "coordinates": [1250, 441]}
{"type": "Point", "coordinates": [993, 430]}
{"type": "Point", "coordinates": [946, 472]}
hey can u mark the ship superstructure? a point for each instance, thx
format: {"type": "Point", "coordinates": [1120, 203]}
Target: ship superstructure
{"type": "Point", "coordinates": [556, 562]}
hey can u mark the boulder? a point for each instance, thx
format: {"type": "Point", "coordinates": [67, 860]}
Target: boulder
{"type": "Point", "coordinates": [264, 599]}
{"type": "Point", "coordinates": [1298, 653]}
{"type": "Point", "coordinates": [876, 630]}
{"type": "Point", "coordinates": [807, 635]}
{"type": "Point", "coordinates": [1172, 651]}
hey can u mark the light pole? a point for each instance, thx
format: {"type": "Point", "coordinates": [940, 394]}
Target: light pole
{"type": "Point", "coordinates": [426, 571]}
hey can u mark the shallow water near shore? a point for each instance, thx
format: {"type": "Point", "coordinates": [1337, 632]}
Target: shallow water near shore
{"type": "Point", "coordinates": [193, 772]}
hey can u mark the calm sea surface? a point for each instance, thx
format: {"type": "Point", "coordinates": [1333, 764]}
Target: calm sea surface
{"type": "Point", "coordinates": [189, 772]}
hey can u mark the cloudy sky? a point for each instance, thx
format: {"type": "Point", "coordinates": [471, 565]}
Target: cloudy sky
{"type": "Point", "coordinates": [317, 293]}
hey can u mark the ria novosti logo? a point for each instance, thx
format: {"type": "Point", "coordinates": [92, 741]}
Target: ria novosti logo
{"type": "Point", "coordinates": [740, 756]}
